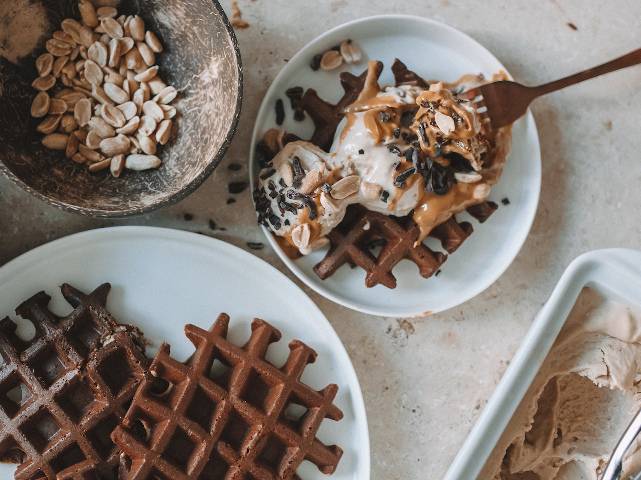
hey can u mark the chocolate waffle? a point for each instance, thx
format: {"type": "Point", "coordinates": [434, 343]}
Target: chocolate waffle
{"type": "Point", "coordinates": [63, 391]}
{"type": "Point", "coordinates": [327, 116]}
{"type": "Point", "coordinates": [227, 412]}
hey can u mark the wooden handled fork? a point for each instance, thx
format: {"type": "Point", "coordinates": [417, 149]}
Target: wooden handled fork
{"type": "Point", "coordinates": [505, 101]}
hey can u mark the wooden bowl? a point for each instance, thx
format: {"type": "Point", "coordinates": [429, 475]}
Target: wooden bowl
{"type": "Point", "coordinates": [201, 59]}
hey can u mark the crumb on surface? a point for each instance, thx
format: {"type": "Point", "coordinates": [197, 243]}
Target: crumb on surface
{"type": "Point", "coordinates": [237, 16]}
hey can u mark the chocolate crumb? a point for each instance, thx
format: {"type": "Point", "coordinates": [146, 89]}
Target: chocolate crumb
{"type": "Point", "coordinates": [573, 26]}
{"type": "Point", "coordinates": [212, 224]}
{"type": "Point", "coordinates": [505, 201]}
{"type": "Point", "coordinates": [230, 201]}
{"type": "Point", "coordinates": [237, 187]}
{"type": "Point", "coordinates": [316, 61]}
{"type": "Point", "coordinates": [188, 217]}
{"type": "Point", "coordinates": [234, 167]}
{"type": "Point", "coordinates": [280, 112]}
{"type": "Point", "coordinates": [438, 272]}
{"type": "Point", "coordinates": [256, 245]}
{"type": "Point", "coordinates": [384, 196]}
{"type": "Point", "coordinates": [361, 152]}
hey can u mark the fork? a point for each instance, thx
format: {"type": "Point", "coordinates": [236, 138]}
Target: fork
{"type": "Point", "coordinates": [504, 102]}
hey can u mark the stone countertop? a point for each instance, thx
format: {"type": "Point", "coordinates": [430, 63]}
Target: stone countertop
{"type": "Point", "coordinates": [425, 381]}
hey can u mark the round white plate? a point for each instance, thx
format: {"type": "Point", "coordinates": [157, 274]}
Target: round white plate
{"type": "Point", "coordinates": [434, 51]}
{"type": "Point", "coordinates": [162, 279]}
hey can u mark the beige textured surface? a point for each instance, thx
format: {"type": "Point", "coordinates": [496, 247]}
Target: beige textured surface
{"type": "Point", "coordinates": [426, 380]}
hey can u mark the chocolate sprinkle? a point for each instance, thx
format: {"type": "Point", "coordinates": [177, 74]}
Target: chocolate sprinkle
{"type": "Point", "coordinates": [256, 245]}
{"type": "Point", "coordinates": [299, 172]}
{"type": "Point", "coordinates": [384, 116]}
{"type": "Point", "coordinates": [384, 196]}
{"type": "Point", "coordinates": [295, 95]}
{"type": "Point", "coordinates": [326, 187]}
{"type": "Point", "coordinates": [400, 180]}
{"type": "Point", "coordinates": [397, 132]}
{"type": "Point", "coordinates": [393, 148]}
{"type": "Point", "coordinates": [361, 152]}
{"type": "Point", "coordinates": [316, 61]}
{"type": "Point", "coordinates": [237, 187]}
{"type": "Point", "coordinates": [275, 221]}
{"type": "Point", "coordinates": [267, 173]}
{"type": "Point", "coordinates": [280, 112]}
{"type": "Point", "coordinates": [505, 201]}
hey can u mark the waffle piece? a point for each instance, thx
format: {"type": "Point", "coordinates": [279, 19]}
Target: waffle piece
{"type": "Point", "coordinates": [327, 116]}
{"type": "Point", "coordinates": [227, 412]}
{"type": "Point", "coordinates": [353, 239]}
{"type": "Point", "coordinates": [64, 391]}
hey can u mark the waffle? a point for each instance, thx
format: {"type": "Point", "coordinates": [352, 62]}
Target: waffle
{"type": "Point", "coordinates": [227, 412]}
{"type": "Point", "coordinates": [327, 116]}
{"type": "Point", "coordinates": [63, 391]}
{"type": "Point", "coordinates": [352, 243]}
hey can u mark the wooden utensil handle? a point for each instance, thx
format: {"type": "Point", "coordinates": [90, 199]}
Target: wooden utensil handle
{"type": "Point", "coordinates": [628, 60]}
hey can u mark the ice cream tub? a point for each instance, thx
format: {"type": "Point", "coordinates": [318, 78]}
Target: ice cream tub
{"type": "Point", "coordinates": [573, 385]}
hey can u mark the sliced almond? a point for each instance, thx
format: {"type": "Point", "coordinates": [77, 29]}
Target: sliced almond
{"type": "Point", "coordinates": [301, 236]}
{"type": "Point", "coordinates": [151, 109]}
{"type": "Point", "coordinates": [107, 11]}
{"type": "Point", "coordinates": [167, 95]}
{"type": "Point", "coordinates": [146, 53]}
{"type": "Point", "coordinates": [468, 177]}
{"type": "Point", "coordinates": [117, 165]}
{"type": "Point", "coordinates": [72, 27]}
{"type": "Point", "coordinates": [345, 187]}
{"type": "Point", "coordinates": [49, 124]}
{"type": "Point", "coordinates": [44, 64]}
{"type": "Point", "coordinates": [58, 65]}
{"type": "Point", "coordinates": [40, 105]}
{"type": "Point", "coordinates": [115, 52]}
{"type": "Point", "coordinates": [86, 37]}
{"type": "Point", "coordinates": [130, 127]}
{"type": "Point", "coordinates": [58, 48]}
{"type": "Point", "coordinates": [68, 123]}
{"type": "Point", "coordinates": [147, 75]}
{"type": "Point", "coordinates": [72, 146]}
{"type": "Point", "coordinates": [147, 144]}
{"type": "Point", "coordinates": [331, 60]}
{"type": "Point", "coordinates": [163, 133]}
{"type": "Point", "coordinates": [147, 125]}
{"type": "Point", "coordinates": [57, 106]}
{"type": "Point", "coordinates": [102, 128]}
{"type": "Point", "coordinates": [44, 83]}
{"type": "Point", "coordinates": [88, 13]}
{"type": "Point", "coordinates": [126, 44]}
{"type": "Point", "coordinates": [156, 85]}
{"type": "Point", "coordinates": [100, 165]}
{"type": "Point", "coordinates": [69, 70]}
{"type": "Point", "coordinates": [82, 112]}
{"type": "Point", "coordinates": [93, 73]}
{"type": "Point", "coordinates": [55, 141]}
{"type": "Point", "coordinates": [481, 191]}
{"type": "Point", "coordinates": [152, 40]}
{"type": "Point", "coordinates": [115, 145]}
{"type": "Point", "coordinates": [71, 98]}
{"type": "Point", "coordinates": [312, 180]}
{"type": "Point", "coordinates": [64, 37]}
{"type": "Point", "coordinates": [139, 99]}
{"type": "Point", "coordinates": [112, 116]}
{"type": "Point", "coordinates": [133, 59]}
{"type": "Point", "coordinates": [99, 94]}
{"type": "Point", "coordinates": [98, 53]}
{"type": "Point", "coordinates": [129, 109]}
{"type": "Point", "coordinates": [350, 52]}
{"type": "Point", "coordinates": [142, 162]}
{"type": "Point", "coordinates": [90, 154]}
{"type": "Point", "coordinates": [93, 140]}
{"type": "Point", "coordinates": [445, 123]}
{"type": "Point", "coordinates": [137, 28]}
{"type": "Point", "coordinates": [117, 94]}
{"type": "Point", "coordinates": [112, 27]}
{"type": "Point", "coordinates": [170, 112]}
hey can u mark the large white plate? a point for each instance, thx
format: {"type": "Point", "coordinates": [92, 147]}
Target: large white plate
{"type": "Point", "coordinates": [435, 51]}
{"type": "Point", "coordinates": [162, 279]}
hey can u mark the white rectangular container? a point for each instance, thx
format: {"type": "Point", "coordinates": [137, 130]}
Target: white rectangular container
{"type": "Point", "coordinates": [615, 274]}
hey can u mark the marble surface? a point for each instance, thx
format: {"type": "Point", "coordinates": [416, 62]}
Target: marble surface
{"type": "Point", "coordinates": [425, 381]}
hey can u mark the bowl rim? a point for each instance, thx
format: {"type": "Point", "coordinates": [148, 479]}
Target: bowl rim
{"type": "Point", "coordinates": [175, 197]}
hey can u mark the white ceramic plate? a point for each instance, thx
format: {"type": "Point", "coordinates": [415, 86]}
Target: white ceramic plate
{"type": "Point", "coordinates": [615, 274]}
{"type": "Point", "coordinates": [162, 279]}
{"type": "Point", "coordinates": [435, 51]}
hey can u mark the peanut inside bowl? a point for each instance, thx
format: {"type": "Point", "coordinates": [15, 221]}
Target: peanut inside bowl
{"type": "Point", "coordinates": [200, 58]}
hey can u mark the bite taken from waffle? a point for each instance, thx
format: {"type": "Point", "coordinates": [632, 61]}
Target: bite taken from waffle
{"type": "Point", "coordinates": [386, 168]}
